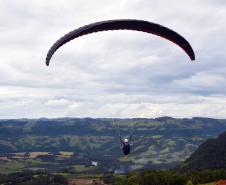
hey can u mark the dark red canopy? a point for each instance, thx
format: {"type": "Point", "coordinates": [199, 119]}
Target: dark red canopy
{"type": "Point", "coordinates": [123, 24]}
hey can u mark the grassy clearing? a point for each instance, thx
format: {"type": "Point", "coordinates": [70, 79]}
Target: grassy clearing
{"type": "Point", "coordinates": [64, 153]}
{"type": "Point", "coordinates": [89, 175]}
{"type": "Point", "coordinates": [36, 154]}
{"type": "Point", "coordinates": [37, 162]}
{"type": "Point", "coordinates": [82, 168]}
{"type": "Point", "coordinates": [12, 166]}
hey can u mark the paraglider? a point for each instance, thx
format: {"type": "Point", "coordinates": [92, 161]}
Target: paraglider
{"type": "Point", "coordinates": [123, 24]}
{"type": "Point", "coordinates": [126, 146]}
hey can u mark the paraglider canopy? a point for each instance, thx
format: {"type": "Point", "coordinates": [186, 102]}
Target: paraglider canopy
{"type": "Point", "coordinates": [124, 24]}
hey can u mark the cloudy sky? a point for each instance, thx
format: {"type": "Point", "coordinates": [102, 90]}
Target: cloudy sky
{"type": "Point", "coordinates": [115, 73]}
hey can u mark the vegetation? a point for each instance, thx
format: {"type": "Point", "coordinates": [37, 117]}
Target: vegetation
{"type": "Point", "coordinates": [210, 155]}
{"type": "Point", "coordinates": [30, 178]}
{"type": "Point", "coordinates": [153, 177]}
{"type": "Point", "coordinates": [170, 177]}
{"type": "Point", "coordinates": [52, 151]}
{"type": "Point", "coordinates": [60, 144]}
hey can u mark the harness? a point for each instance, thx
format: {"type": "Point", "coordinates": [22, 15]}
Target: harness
{"type": "Point", "coordinates": [130, 137]}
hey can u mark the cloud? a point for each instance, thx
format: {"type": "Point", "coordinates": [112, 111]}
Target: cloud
{"type": "Point", "coordinates": [111, 74]}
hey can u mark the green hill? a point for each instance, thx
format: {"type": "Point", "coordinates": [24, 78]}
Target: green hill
{"type": "Point", "coordinates": [210, 155]}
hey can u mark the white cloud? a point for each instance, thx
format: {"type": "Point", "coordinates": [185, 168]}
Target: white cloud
{"type": "Point", "coordinates": [111, 74]}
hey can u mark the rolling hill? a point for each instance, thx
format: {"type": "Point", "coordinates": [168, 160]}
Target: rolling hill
{"type": "Point", "coordinates": [158, 143]}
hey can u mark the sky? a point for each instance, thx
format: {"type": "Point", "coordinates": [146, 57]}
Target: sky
{"type": "Point", "coordinates": [113, 74]}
